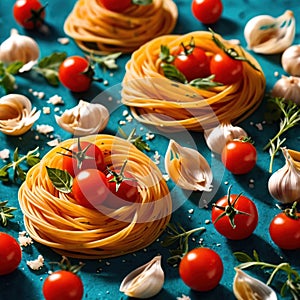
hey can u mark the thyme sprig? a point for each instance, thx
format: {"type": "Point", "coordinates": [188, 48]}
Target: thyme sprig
{"type": "Point", "coordinates": [289, 117]}
{"type": "Point", "coordinates": [6, 213]}
{"type": "Point", "coordinates": [292, 283]}
{"type": "Point", "coordinates": [177, 234]}
{"type": "Point", "coordinates": [137, 141]}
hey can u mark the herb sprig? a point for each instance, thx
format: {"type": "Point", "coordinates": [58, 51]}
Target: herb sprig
{"type": "Point", "coordinates": [292, 283]}
{"type": "Point", "coordinates": [6, 213]}
{"type": "Point", "coordinates": [289, 114]}
{"type": "Point", "coordinates": [7, 78]}
{"type": "Point", "coordinates": [137, 141]}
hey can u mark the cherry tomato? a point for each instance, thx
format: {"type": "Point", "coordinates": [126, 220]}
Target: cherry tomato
{"type": "Point", "coordinates": [63, 285]}
{"type": "Point", "coordinates": [116, 5]}
{"type": "Point", "coordinates": [10, 253]}
{"type": "Point", "coordinates": [226, 69]}
{"type": "Point", "coordinates": [83, 155]}
{"type": "Point", "coordinates": [285, 230]}
{"type": "Point", "coordinates": [236, 219]}
{"type": "Point", "coordinates": [29, 13]}
{"type": "Point", "coordinates": [76, 74]}
{"type": "Point", "coordinates": [123, 187]}
{"type": "Point", "coordinates": [239, 156]}
{"type": "Point", "coordinates": [193, 65]}
{"type": "Point", "coordinates": [90, 188]}
{"type": "Point", "coordinates": [201, 269]}
{"type": "Point", "coordinates": [207, 11]}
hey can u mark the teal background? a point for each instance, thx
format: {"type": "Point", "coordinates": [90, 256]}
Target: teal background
{"type": "Point", "coordinates": [102, 279]}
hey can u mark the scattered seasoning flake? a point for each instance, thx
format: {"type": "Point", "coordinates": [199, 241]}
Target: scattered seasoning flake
{"type": "Point", "coordinates": [36, 264]}
{"type": "Point", "coordinates": [105, 82]}
{"type": "Point", "coordinates": [207, 221]}
{"type": "Point", "coordinates": [150, 136]}
{"type": "Point", "coordinates": [41, 95]}
{"type": "Point", "coordinates": [53, 143]}
{"type": "Point", "coordinates": [191, 211]}
{"type": "Point", "coordinates": [156, 158]}
{"type": "Point", "coordinates": [276, 73]}
{"type": "Point", "coordinates": [55, 100]}
{"type": "Point", "coordinates": [46, 110]}
{"type": "Point", "coordinates": [44, 129]}
{"type": "Point", "coordinates": [4, 154]}
{"type": "Point", "coordinates": [259, 126]}
{"type": "Point", "coordinates": [63, 40]}
{"type": "Point", "coordinates": [129, 118]}
{"type": "Point", "coordinates": [166, 177]}
{"type": "Point", "coordinates": [122, 122]}
{"type": "Point", "coordinates": [110, 98]}
{"type": "Point", "coordinates": [125, 113]}
{"type": "Point", "coordinates": [183, 297]}
{"type": "Point", "coordinates": [24, 240]}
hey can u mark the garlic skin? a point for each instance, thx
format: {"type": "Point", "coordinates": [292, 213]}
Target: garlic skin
{"type": "Point", "coordinates": [267, 35]}
{"type": "Point", "coordinates": [216, 138]}
{"type": "Point", "coordinates": [145, 281]}
{"type": "Point", "coordinates": [246, 287]}
{"type": "Point", "coordinates": [16, 114]}
{"type": "Point", "coordinates": [84, 119]}
{"type": "Point", "coordinates": [290, 60]}
{"type": "Point", "coordinates": [284, 184]}
{"type": "Point", "coordinates": [188, 168]}
{"type": "Point", "coordinates": [19, 48]}
{"type": "Point", "coordinates": [287, 88]}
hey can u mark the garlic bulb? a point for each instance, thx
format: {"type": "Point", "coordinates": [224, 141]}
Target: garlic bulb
{"type": "Point", "coordinates": [267, 35]}
{"type": "Point", "coordinates": [217, 137]}
{"type": "Point", "coordinates": [284, 184]}
{"type": "Point", "coordinates": [145, 281]}
{"type": "Point", "coordinates": [246, 287]}
{"type": "Point", "coordinates": [188, 168]}
{"type": "Point", "coordinates": [16, 114]}
{"type": "Point", "coordinates": [84, 119]}
{"type": "Point", "coordinates": [19, 48]}
{"type": "Point", "coordinates": [290, 60]}
{"type": "Point", "coordinates": [287, 88]}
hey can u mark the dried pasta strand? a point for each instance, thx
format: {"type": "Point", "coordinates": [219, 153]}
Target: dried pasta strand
{"type": "Point", "coordinates": [55, 219]}
{"type": "Point", "coordinates": [156, 100]}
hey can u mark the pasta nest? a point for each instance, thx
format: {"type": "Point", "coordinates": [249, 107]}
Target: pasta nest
{"type": "Point", "coordinates": [170, 106]}
{"type": "Point", "coordinates": [54, 219]}
{"type": "Point", "coordinates": [98, 30]}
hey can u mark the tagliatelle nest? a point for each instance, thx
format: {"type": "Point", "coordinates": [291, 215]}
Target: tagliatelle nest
{"type": "Point", "coordinates": [55, 219]}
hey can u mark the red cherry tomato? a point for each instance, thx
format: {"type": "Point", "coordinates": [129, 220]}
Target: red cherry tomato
{"type": "Point", "coordinates": [63, 285]}
{"type": "Point", "coordinates": [193, 65]}
{"type": "Point", "coordinates": [207, 11]}
{"type": "Point", "coordinates": [83, 155]}
{"type": "Point", "coordinates": [10, 254]}
{"type": "Point", "coordinates": [235, 220]}
{"type": "Point", "coordinates": [239, 156]}
{"type": "Point", "coordinates": [29, 13]}
{"type": "Point", "coordinates": [226, 69]}
{"type": "Point", "coordinates": [116, 5]}
{"type": "Point", "coordinates": [76, 74]}
{"type": "Point", "coordinates": [285, 231]}
{"type": "Point", "coordinates": [201, 269]}
{"type": "Point", "coordinates": [90, 188]}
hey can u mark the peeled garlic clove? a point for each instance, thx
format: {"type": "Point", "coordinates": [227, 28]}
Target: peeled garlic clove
{"type": "Point", "coordinates": [16, 114]}
{"type": "Point", "coordinates": [84, 119]}
{"type": "Point", "coordinates": [145, 281]}
{"type": "Point", "coordinates": [287, 88]}
{"type": "Point", "coordinates": [217, 137]}
{"type": "Point", "coordinates": [246, 287]}
{"type": "Point", "coordinates": [267, 35]}
{"type": "Point", "coordinates": [19, 48]}
{"type": "Point", "coordinates": [188, 168]}
{"type": "Point", "coordinates": [284, 184]}
{"type": "Point", "coordinates": [290, 60]}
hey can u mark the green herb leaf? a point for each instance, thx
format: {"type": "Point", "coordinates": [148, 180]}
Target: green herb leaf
{"type": "Point", "coordinates": [205, 83]}
{"type": "Point", "coordinates": [165, 55]}
{"type": "Point", "coordinates": [108, 61]}
{"type": "Point", "coordinates": [172, 73]}
{"type": "Point", "coordinates": [5, 213]}
{"type": "Point", "coordinates": [137, 141]}
{"type": "Point", "coordinates": [14, 67]}
{"type": "Point", "coordinates": [142, 2]}
{"type": "Point", "coordinates": [242, 257]}
{"type": "Point", "coordinates": [61, 179]}
{"type": "Point", "coordinates": [8, 82]}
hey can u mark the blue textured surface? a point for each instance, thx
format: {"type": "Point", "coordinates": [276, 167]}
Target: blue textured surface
{"type": "Point", "coordinates": [104, 284]}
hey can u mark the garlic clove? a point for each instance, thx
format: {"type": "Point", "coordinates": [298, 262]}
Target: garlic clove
{"type": "Point", "coordinates": [267, 35]}
{"type": "Point", "coordinates": [84, 119]}
{"type": "Point", "coordinates": [284, 184]}
{"type": "Point", "coordinates": [188, 168]}
{"type": "Point", "coordinates": [290, 60]}
{"type": "Point", "coordinates": [287, 88]}
{"type": "Point", "coordinates": [145, 281]}
{"type": "Point", "coordinates": [16, 114]}
{"type": "Point", "coordinates": [216, 138]}
{"type": "Point", "coordinates": [246, 287]}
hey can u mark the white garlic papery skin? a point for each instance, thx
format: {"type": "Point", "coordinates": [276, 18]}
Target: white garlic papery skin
{"type": "Point", "coordinates": [145, 281]}
{"type": "Point", "coordinates": [246, 287]}
{"type": "Point", "coordinates": [16, 114]}
{"type": "Point", "coordinates": [20, 48]}
{"type": "Point", "coordinates": [267, 35]}
{"type": "Point", "coordinates": [188, 168]}
{"type": "Point", "coordinates": [84, 119]}
{"type": "Point", "coordinates": [284, 184]}
{"type": "Point", "coordinates": [217, 137]}
{"type": "Point", "coordinates": [287, 88]}
{"type": "Point", "coordinates": [290, 60]}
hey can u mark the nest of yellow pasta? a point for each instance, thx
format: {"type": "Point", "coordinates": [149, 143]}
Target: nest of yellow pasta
{"type": "Point", "coordinates": [169, 105]}
{"type": "Point", "coordinates": [55, 219]}
{"type": "Point", "coordinates": [99, 30]}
